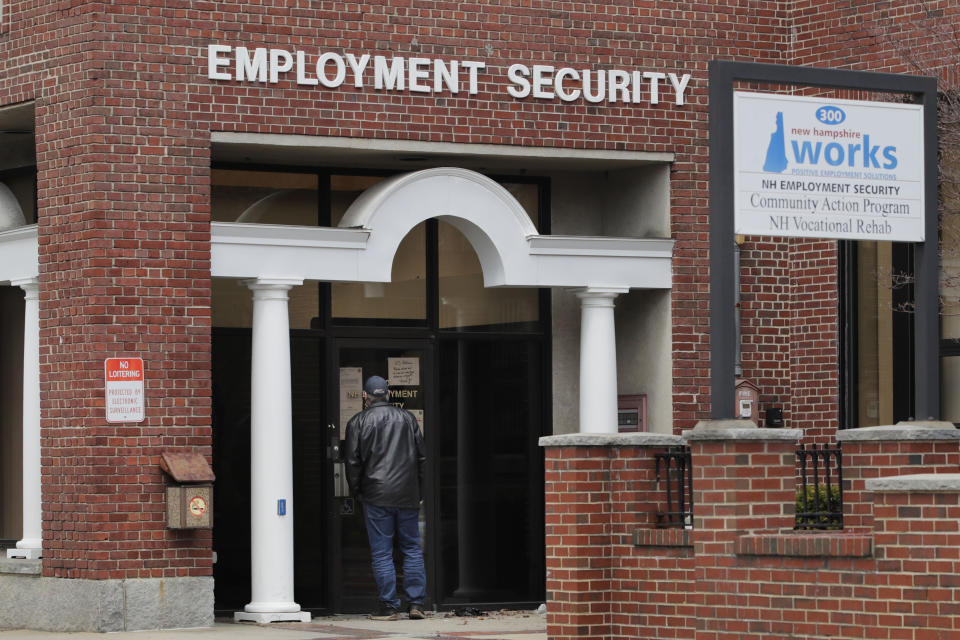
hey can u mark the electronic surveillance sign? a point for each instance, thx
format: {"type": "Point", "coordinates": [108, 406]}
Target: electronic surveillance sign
{"type": "Point", "coordinates": [828, 168]}
{"type": "Point", "coordinates": [124, 397]}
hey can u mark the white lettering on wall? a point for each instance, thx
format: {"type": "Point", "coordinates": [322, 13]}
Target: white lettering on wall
{"type": "Point", "coordinates": [280, 62]}
{"type": "Point", "coordinates": [518, 74]}
{"type": "Point", "coordinates": [252, 69]}
{"type": "Point", "coordinates": [562, 93]}
{"type": "Point", "coordinates": [301, 75]}
{"type": "Point", "coordinates": [427, 75]}
{"type": "Point", "coordinates": [387, 77]}
{"type": "Point", "coordinates": [357, 66]}
{"type": "Point", "coordinates": [338, 64]}
{"type": "Point", "coordinates": [215, 61]}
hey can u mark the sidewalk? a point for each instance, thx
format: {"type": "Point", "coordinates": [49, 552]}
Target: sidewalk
{"type": "Point", "coordinates": [495, 625]}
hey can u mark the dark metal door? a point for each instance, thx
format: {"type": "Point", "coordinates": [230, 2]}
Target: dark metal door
{"type": "Point", "coordinates": [407, 365]}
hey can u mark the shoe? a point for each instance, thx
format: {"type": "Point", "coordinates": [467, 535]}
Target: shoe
{"type": "Point", "coordinates": [415, 612]}
{"type": "Point", "coordinates": [385, 612]}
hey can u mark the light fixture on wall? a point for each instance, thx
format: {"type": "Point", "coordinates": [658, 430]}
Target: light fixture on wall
{"type": "Point", "coordinates": [374, 289]}
{"type": "Point", "coordinates": [11, 214]}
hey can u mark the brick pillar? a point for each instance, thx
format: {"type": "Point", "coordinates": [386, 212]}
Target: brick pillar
{"type": "Point", "coordinates": [598, 489]}
{"type": "Point", "coordinates": [881, 452]}
{"type": "Point", "coordinates": [916, 538]}
{"type": "Point", "coordinates": [743, 483]}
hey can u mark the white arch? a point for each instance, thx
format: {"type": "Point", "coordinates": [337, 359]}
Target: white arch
{"type": "Point", "coordinates": [510, 251]}
{"type": "Point", "coordinates": [493, 221]}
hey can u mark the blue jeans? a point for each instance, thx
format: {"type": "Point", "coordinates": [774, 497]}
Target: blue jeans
{"type": "Point", "coordinates": [382, 523]}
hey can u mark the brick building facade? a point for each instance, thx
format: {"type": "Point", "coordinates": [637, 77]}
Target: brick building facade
{"type": "Point", "coordinates": [117, 118]}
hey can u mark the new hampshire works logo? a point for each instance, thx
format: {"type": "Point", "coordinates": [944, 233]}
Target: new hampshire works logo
{"type": "Point", "coordinates": [835, 146]}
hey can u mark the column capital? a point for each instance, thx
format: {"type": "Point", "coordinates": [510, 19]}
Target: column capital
{"type": "Point", "coordinates": [30, 285]}
{"type": "Point", "coordinates": [599, 296]}
{"type": "Point", "coordinates": [271, 288]}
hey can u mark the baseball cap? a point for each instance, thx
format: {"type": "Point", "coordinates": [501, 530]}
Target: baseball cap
{"type": "Point", "coordinates": [375, 386]}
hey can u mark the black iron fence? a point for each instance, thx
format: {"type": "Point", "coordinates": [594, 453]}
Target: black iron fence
{"type": "Point", "coordinates": [819, 488]}
{"type": "Point", "coordinates": [674, 468]}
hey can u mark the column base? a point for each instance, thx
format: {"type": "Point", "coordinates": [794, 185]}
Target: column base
{"type": "Point", "coordinates": [27, 554]}
{"type": "Point", "coordinates": [276, 616]}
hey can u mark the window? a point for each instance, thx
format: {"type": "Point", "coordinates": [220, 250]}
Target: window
{"type": "Point", "coordinates": [877, 369]}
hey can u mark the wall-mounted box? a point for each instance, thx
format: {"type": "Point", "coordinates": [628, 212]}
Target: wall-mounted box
{"type": "Point", "coordinates": [190, 496]}
{"type": "Point", "coordinates": [190, 506]}
{"type": "Point", "coordinates": [747, 400]}
{"type": "Point", "coordinates": [632, 413]}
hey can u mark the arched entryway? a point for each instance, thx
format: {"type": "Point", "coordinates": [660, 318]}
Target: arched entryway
{"type": "Point", "coordinates": [440, 279]}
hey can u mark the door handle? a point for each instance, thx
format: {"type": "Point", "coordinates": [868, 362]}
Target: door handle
{"type": "Point", "coordinates": [333, 450]}
{"type": "Point", "coordinates": [340, 487]}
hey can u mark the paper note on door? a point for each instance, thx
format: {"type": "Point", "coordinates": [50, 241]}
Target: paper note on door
{"type": "Point", "coordinates": [418, 414]}
{"type": "Point", "coordinates": [351, 395]}
{"type": "Point", "coordinates": [403, 372]}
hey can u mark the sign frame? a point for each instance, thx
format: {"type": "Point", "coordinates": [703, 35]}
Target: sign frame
{"type": "Point", "coordinates": [821, 167]}
{"type": "Point", "coordinates": [131, 387]}
{"type": "Point", "coordinates": [723, 75]}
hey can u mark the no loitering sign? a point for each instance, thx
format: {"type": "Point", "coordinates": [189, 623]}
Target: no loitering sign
{"type": "Point", "coordinates": [124, 389]}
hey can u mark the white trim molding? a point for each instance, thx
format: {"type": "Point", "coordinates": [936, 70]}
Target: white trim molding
{"type": "Point", "coordinates": [510, 250]}
{"type": "Point", "coordinates": [19, 256]}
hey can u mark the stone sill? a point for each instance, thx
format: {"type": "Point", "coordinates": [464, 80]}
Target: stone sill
{"type": "Point", "coordinates": [20, 566]}
{"type": "Point", "coordinates": [917, 482]}
{"type": "Point", "coordinates": [806, 545]}
{"type": "Point", "coordinates": [662, 538]}
{"type": "Point", "coordinates": [900, 432]}
{"type": "Point", "coordinates": [611, 440]}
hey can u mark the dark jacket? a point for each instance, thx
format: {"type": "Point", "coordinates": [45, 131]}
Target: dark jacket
{"type": "Point", "coordinates": [385, 456]}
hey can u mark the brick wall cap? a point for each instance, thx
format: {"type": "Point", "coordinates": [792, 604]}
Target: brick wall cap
{"type": "Point", "coordinates": [738, 430]}
{"type": "Point", "coordinates": [921, 482]}
{"type": "Point", "coordinates": [611, 440]}
{"type": "Point", "coordinates": [916, 430]}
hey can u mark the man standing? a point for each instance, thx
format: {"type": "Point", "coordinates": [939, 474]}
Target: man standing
{"type": "Point", "coordinates": [385, 465]}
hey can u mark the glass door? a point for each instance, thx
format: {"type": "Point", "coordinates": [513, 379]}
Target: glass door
{"type": "Point", "coordinates": [407, 367]}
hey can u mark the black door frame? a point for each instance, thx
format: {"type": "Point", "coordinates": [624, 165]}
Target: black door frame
{"type": "Point", "coordinates": [373, 338]}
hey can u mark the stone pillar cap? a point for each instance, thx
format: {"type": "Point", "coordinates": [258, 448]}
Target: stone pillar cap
{"type": "Point", "coordinates": [611, 440]}
{"type": "Point", "coordinates": [738, 429]}
{"type": "Point", "coordinates": [730, 423]}
{"type": "Point", "coordinates": [926, 424]}
{"type": "Point", "coordinates": [920, 482]}
{"type": "Point", "coordinates": [903, 430]}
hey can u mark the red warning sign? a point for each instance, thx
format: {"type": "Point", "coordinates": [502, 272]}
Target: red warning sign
{"type": "Point", "coordinates": [124, 389]}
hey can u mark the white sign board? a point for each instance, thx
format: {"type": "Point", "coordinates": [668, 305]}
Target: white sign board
{"type": "Point", "coordinates": [403, 372]}
{"type": "Point", "coordinates": [827, 168]}
{"type": "Point", "coordinates": [124, 389]}
{"type": "Point", "coordinates": [351, 395]}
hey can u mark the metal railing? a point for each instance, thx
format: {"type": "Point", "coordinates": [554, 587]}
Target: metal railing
{"type": "Point", "coordinates": [820, 488]}
{"type": "Point", "coordinates": [674, 467]}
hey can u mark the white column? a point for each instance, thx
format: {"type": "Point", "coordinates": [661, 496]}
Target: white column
{"type": "Point", "coordinates": [271, 458]}
{"type": "Point", "coordinates": [598, 360]}
{"type": "Point", "coordinates": [31, 544]}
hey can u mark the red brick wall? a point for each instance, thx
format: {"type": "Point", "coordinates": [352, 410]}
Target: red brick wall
{"type": "Point", "coordinates": [124, 112]}
{"type": "Point", "coordinates": [596, 497]}
{"type": "Point", "coordinates": [738, 488]}
{"type": "Point", "coordinates": [868, 459]}
{"type": "Point", "coordinates": [743, 572]}
{"type": "Point", "coordinates": [790, 342]}
{"type": "Point", "coordinates": [123, 194]}
{"type": "Point", "coordinates": [908, 36]}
